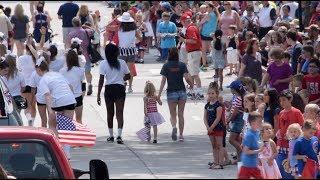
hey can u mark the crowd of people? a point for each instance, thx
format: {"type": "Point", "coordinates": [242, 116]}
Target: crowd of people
{"type": "Point", "coordinates": [272, 118]}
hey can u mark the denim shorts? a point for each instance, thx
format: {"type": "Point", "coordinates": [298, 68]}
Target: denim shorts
{"type": "Point", "coordinates": [176, 96]}
{"type": "Point", "coordinates": [237, 124]}
{"type": "Point", "coordinates": [87, 66]}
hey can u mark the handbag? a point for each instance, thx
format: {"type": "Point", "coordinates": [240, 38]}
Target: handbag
{"type": "Point", "coordinates": [21, 102]}
{"type": "Point", "coordinates": [94, 55]}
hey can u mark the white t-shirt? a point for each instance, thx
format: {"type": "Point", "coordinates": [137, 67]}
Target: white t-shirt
{"type": "Point", "coordinates": [58, 87]}
{"type": "Point", "coordinates": [246, 123]}
{"type": "Point", "coordinates": [74, 76]}
{"type": "Point", "coordinates": [34, 82]}
{"type": "Point", "coordinates": [26, 66]}
{"type": "Point", "coordinates": [15, 84]}
{"type": "Point", "coordinates": [82, 60]}
{"type": "Point", "coordinates": [57, 64]}
{"type": "Point", "coordinates": [112, 75]}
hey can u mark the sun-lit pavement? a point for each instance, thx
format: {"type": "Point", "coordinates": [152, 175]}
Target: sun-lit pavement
{"type": "Point", "coordinates": [137, 159]}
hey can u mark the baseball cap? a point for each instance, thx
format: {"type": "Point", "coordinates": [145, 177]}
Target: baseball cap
{"type": "Point", "coordinates": [166, 6]}
{"type": "Point", "coordinates": [237, 84]}
{"type": "Point", "coordinates": [184, 17]}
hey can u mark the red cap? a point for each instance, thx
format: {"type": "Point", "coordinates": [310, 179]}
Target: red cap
{"type": "Point", "coordinates": [185, 17]}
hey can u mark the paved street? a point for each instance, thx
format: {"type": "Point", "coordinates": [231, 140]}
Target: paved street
{"type": "Point", "coordinates": [137, 159]}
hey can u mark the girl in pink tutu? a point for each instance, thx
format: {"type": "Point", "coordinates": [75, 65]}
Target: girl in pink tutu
{"type": "Point", "coordinates": [269, 168]}
{"type": "Point", "coordinates": [151, 110]}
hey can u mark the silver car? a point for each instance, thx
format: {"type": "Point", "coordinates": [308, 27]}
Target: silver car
{"type": "Point", "coordinates": [8, 109]}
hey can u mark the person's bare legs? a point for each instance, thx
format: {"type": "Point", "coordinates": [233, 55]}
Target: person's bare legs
{"type": "Point", "coordinates": [181, 106]}
{"type": "Point", "coordinates": [68, 113]}
{"type": "Point", "coordinates": [220, 72]}
{"type": "Point", "coordinates": [213, 149]}
{"type": "Point", "coordinates": [155, 132]}
{"type": "Point", "coordinates": [31, 110]}
{"type": "Point", "coordinates": [130, 65]}
{"type": "Point", "coordinates": [205, 48]}
{"type": "Point", "coordinates": [88, 77]}
{"type": "Point", "coordinates": [78, 112]}
{"type": "Point", "coordinates": [233, 140]}
{"type": "Point", "coordinates": [197, 80]}
{"type": "Point", "coordinates": [219, 147]}
{"type": "Point", "coordinates": [173, 119]}
{"type": "Point", "coordinates": [42, 109]}
{"type": "Point", "coordinates": [20, 47]}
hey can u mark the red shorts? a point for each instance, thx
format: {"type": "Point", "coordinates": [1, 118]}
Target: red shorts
{"type": "Point", "coordinates": [216, 133]}
{"type": "Point", "coordinates": [248, 172]}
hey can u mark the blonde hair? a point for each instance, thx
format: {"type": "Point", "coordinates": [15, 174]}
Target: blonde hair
{"type": "Point", "coordinates": [84, 10]}
{"type": "Point", "coordinates": [294, 126]}
{"type": "Point", "coordinates": [149, 89]}
{"type": "Point", "coordinates": [3, 50]}
{"type": "Point", "coordinates": [19, 11]}
{"type": "Point", "coordinates": [312, 107]}
{"type": "Point", "coordinates": [264, 126]}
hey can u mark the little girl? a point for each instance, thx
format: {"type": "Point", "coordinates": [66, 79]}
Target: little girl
{"type": "Point", "coordinates": [214, 124]}
{"type": "Point", "coordinates": [294, 131]}
{"type": "Point", "coordinates": [236, 115]}
{"type": "Point", "coordinates": [151, 110]}
{"type": "Point", "coordinates": [249, 105]}
{"type": "Point", "coordinates": [218, 57]}
{"type": "Point", "coordinates": [269, 168]}
{"type": "Point", "coordinates": [141, 45]}
{"type": "Point", "coordinates": [232, 52]}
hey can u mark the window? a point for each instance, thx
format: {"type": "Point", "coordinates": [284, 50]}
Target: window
{"type": "Point", "coordinates": [30, 160]}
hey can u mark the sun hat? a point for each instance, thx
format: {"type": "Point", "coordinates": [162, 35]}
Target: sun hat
{"type": "Point", "coordinates": [126, 17]}
{"type": "Point", "coordinates": [184, 17]}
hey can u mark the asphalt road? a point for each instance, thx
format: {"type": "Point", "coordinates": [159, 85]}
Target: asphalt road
{"type": "Point", "coordinates": [137, 159]}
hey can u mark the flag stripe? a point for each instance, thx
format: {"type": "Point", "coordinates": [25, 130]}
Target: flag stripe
{"type": "Point", "coordinates": [73, 133]}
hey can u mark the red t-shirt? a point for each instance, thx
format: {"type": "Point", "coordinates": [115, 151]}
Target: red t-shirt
{"type": "Point", "coordinates": [287, 118]}
{"type": "Point", "coordinates": [192, 32]}
{"type": "Point", "coordinates": [312, 85]}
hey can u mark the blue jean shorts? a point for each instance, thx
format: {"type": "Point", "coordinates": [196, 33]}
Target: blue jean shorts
{"type": "Point", "coordinates": [87, 66]}
{"type": "Point", "coordinates": [237, 124]}
{"type": "Point", "coordinates": [176, 96]}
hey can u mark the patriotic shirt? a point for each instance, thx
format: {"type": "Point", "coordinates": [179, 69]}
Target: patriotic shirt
{"type": "Point", "coordinates": [311, 84]}
{"type": "Point", "coordinates": [237, 103]}
{"type": "Point", "coordinates": [151, 105]}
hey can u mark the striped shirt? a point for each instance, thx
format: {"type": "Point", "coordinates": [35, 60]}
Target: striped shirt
{"type": "Point", "coordinates": [237, 103]}
{"type": "Point", "coordinates": [151, 105]}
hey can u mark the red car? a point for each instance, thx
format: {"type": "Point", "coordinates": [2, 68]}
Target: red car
{"type": "Point", "coordinates": [35, 153]}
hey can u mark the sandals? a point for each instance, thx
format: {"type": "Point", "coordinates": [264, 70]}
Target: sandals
{"type": "Point", "coordinates": [216, 166]}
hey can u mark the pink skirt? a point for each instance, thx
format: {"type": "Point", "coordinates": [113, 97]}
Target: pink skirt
{"type": "Point", "coordinates": [270, 172]}
{"type": "Point", "coordinates": [155, 118]}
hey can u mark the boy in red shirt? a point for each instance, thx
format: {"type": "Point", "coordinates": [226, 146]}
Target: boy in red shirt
{"type": "Point", "coordinates": [287, 116]}
{"type": "Point", "coordinates": [311, 81]}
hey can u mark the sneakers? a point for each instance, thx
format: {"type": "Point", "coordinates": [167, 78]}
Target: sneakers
{"type": "Point", "coordinates": [202, 68]}
{"type": "Point", "coordinates": [155, 141]}
{"type": "Point", "coordinates": [119, 140]}
{"type": "Point", "coordinates": [174, 134]}
{"type": "Point", "coordinates": [181, 138]}
{"type": "Point", "coordinates": [89, 90]}
{"type": "Point", "coordinates": [110, 139]}
{"type": "Point", "coordinates": [130, 90]}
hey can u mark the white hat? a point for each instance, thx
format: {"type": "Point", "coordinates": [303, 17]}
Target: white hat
{"type": "Point", "coordinates": [126, 17]}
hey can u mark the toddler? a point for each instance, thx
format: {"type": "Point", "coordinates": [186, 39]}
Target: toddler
{"type": "Point", "coordinates": [269, 167]}
{"type": "Point", "coordinates": [151, 110]}
{"type": "Point", "coordinates": [293, 133]}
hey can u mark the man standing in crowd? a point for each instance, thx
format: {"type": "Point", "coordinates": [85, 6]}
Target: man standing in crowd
{"type": "Point", "coordinates": [266, 16]}
{"type": "Point", "coordinates": [67, 12]}
{"type": "Point", "coordinates": [84, 35]}
{"type": "Point", "coordinates": [193, 46]}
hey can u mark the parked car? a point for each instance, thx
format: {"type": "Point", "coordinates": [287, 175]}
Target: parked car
{"type": "Point", "coordinates": [35, 153]}
{"type": "Point", "coordinates": [8, 109]}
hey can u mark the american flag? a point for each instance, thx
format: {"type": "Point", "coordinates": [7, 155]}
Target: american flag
{"type": "Point", "coordinates": [73, 133]}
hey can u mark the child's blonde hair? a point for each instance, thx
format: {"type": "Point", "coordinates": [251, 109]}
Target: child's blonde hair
{"type": "Point", "coordinates": [298, 77]}
{"type": "Point", "coordinates": [264, 127]}
{"type": "Point", "coordinates": [312, 107]}
{"type": "Point", "coordinates": [294, 126]}
{"type": "Point", "coordinates": [259, 96]}
{"type": "Point", "coordinates": [149, 89]}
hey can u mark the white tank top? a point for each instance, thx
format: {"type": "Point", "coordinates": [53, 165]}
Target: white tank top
{"type": "Point", "coordinates": [127, 39]}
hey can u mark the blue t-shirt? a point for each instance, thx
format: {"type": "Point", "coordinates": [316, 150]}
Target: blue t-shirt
{"type": "Point", "coordinates": [250, 140]}
{"type": "Point", "coordinates": [210, 26]}
{"type": "Point", "coordinates": [68, 11]}
{"type": "Point", "coordinates": [308, 147]}
{"type": "Point", "coordinates": [168, 41]}
{"type": "Point", "coordinates": [305, 66]}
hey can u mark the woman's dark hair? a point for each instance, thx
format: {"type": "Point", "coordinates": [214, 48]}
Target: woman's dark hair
{"type": "Point", "coordinates": [40, 7]}
{"type": "Point", "coordinates": [3, 64]}
{"type": "Point", "coordinates": [292, 35]}
{"type": "Point", "coordinates": [53, 52]}
{"type": "Point", "coordinates": [297, 102]}
{"type": "Point", "coordinates": [28, 50]}
{"type": "Point", "coordinates": [173, 54]}
{"type": "Point", "coordinates": [218, 43]}
{"type": "Point", "coordinates": [273, 101]}
{"type": "Point", "coordinates": [249, 49]}
{"type": "Point", "coordinates": [72, 59]}
{"type": "Point", "coordinates": [116, 12]}
{"type": "Point", "coordinates": [309, 49]}
{"type": "Point", "coordinates": [112, 53]}
{"type": "Point", "coordinates": [315, 61]}
{"type": "Point", "coordinates": [76, 46]}
{"type": "Point", "coordinates": [286, 6]}
{"type": "Point", "coordinates": [128, 26]}
{"type": "Point", "coordinates": [7, 11]}
{"type": "Point", "coordinates": [44, 66]}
